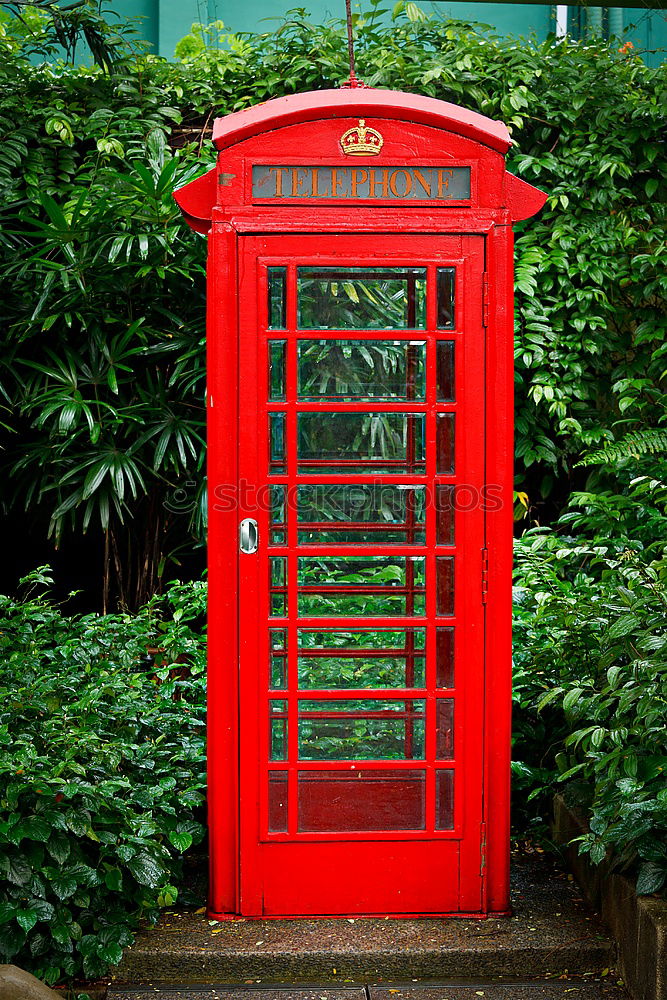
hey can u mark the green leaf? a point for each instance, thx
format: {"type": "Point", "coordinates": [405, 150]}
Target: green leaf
{"type": "Point", "coordinates": [113, 880]}
{"type": "Point", "coordinates": [26, 919]}
{"type": "Point", "coordinates": [651, 878]}
{"type": "Point", "coordinates": [181, 841]}
{"type": "Point", "coordinates": [18, 871]}
{"type": "Point", "coordinates": [651, 186]}
{"type": "Point", "coordinates": [146, 870]}
{"type": "Point", "coordinates": [64, 885]}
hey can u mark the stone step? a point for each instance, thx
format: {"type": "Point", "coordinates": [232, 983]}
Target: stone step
{"type": "Point", "coordinates": [567, 990]}
{"type": "Point", "coordinates": [550, 932]}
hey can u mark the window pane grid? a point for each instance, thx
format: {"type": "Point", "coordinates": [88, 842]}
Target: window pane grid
{"type": "Point", "coordinates": [411, 527]}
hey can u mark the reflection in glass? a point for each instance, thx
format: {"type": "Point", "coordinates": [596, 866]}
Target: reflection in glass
{"type": "Point", "coordinates": [277, 370]}
{"type": "Point", "coordinates": [379, 658]}
{"type": "Point", "coordinates": [445, 289]}
{"type": "Point", "coordinates": [444, 501]}
{"type": "Point", "coordinates": [361, 729]}
{"type": "Point", "coordinates": [277, 730]}
{"type": "Point", "coordinates": [361, 442]}
{"type": "Point", "coordinates": [278, 586]}
{"type": "Point", "coordinates": [277, 298]}
{"type": "Point", "coordinates": [277, 802]}
{"type": "Point", "coordinates": [444, 585]}
{"type": "Point", "coordinates": [278, 658]}
{"type": "Point", "coordinates": [444, 654]}
{"type": "Point", "coordinates": [445, 371]}
{"type": "Point", "coordinates": [445, 444]}
{"type": "Point", "coordinates": [362, 369]}
{"type": "Point", "coordinates": [444, 728]}
{"type": "Point", "coordinates": [361, 298]}
{"type": "Point", "coordinates": [363, 799]}
{"type": "Point", "coordinates": [277, 512]}
{"type": "Point", "coordinates": [444, 800]}
{"type": "Point", "coordinates": [361, 585]}
{"type": "Point", "coordinates": [375, 514]}
{"type": "Point", "coordinates": [277, 442]}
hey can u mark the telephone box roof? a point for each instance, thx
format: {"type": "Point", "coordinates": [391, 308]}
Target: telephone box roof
{"type": "Point", "coordinates": [359, 101]}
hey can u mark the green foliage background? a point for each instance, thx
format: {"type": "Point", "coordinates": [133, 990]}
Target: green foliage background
{"type": "Point", "coordinates": [103, 305]}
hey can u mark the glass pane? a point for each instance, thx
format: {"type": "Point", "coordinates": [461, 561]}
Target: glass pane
{"type": "Point", "coordinates": [444, 653]}
{"type": "Point", "coordinates": [361, 729]}
{"type": "Point", "coordinates": [361, 442]}
{"type": "Point", "coordinates": [377, 514]}
{"type": "Point", "coordinates": [277, 298]}
{"type": "Point", "coordinates": [446, 283]}
{"type": "Point", "coordinates": [278, 730]}
{"type": "Point", "coordinates": [362, 369]}
{"type": "Point", "coordinates": [445, 371]}
{"type": "Point", "coordinates": [445, 443]}
{"type": "Point", "coordinates": [277, 370]}
{"type": "Point", "coordinates": [382, 658]}
{"type": "Point", "coordinates": [278, 658]}
{"type": "Point", "coordinates": [277, 802]}
{"type": "Point", "coordinates": [444, 728]}
{"type": "Point", "coordinates": [444, 497]}
{"type": "Point", "coordinates": [361, 298]}
{"type": "Point", "coordinates": [342, 801]}
{"type": "Point", "coordinates": [278, 586]}
{"type": "Point", "coordinates": [361, 585]}
{"type": "Point", "coordinates": [278, 526]}
{"type": "Point", "coordinates": [444, 800]}
{"type": "Point", "coordinates": [445, 585]}
{"type": "Point", "coordinates": [277, 442]}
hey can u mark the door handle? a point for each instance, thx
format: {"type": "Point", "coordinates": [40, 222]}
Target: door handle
{"type": "Point", "coordinates": [248, 535]}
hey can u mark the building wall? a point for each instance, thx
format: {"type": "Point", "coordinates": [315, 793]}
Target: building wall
{"type": "Point", "coordinates": [164, 22]}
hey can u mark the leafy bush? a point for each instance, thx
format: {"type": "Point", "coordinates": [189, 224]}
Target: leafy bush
{"type": "Point", "coordinates": [591, 645]}
{"type": "Point", "coordinates": [101, 775]}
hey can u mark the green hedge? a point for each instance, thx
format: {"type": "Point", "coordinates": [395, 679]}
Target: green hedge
{"type": "Point", "coordinates": [102, 775]}
{"type": "Point", "coordinates": [590, 641]}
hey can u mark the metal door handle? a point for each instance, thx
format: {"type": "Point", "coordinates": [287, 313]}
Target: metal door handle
{"type": "Point", "coordinates": [248, 535]}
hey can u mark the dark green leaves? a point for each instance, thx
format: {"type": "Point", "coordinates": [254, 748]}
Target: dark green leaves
{"type": "Point", "coordinates": [103, 767]}
{"type": "Point", "coordinates": [591, 649]}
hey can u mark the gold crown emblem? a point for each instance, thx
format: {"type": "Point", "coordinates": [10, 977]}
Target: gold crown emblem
{"type": "Point", "coordinates": [361, 140]}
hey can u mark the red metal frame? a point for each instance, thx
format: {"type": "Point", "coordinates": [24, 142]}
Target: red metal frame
{"type": "Point", "coordinates": [462, 870]}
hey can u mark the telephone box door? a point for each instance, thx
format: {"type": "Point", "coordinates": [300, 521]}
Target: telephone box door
{"type": "Point", "coordinates": [362, 502]}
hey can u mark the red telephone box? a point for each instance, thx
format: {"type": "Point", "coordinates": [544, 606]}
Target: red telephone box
{"type": "Point", "coordinates": [360, 479]}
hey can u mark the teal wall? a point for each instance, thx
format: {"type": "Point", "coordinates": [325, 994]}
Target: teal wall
{"type": "Point", "coordinates": [164, 22]}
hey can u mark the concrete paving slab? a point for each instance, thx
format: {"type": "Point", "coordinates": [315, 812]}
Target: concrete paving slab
{"type": "Point", "coordinates": [550, 932]}
{"type": "Point", "coordinates": [236, 993]}
{"type": "Point", "coordinates": [568, 990]}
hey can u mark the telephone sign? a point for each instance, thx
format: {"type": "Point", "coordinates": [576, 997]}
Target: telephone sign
{"type": "Point", "coordinates": [360, 498]}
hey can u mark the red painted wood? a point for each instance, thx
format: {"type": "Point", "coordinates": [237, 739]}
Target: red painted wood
{"type": "Point", "coordinates": [522, 199]}
{"type": "Point", "coordinates": [222, 688]}
{"type": "Point", "coordinates": [258, 865]}
{"type": "Point", "coordinates": [462, 870]}
{"type": "Point", "coordinates": [392, 104]}
{"type": "Point", "coordinates": [196, 201]}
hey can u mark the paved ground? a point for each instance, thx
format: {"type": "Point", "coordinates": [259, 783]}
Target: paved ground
{"type": "Point", "coordinates": [567, 990]}
{"type": "Point", "coordinates": [551, 932]}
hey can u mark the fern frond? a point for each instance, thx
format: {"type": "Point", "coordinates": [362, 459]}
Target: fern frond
{"type": "Point", "coordinates": [648, 441]}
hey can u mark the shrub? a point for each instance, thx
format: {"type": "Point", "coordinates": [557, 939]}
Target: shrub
{"type": "Point", "coordinates": [101, 775]}
{"type": "Point", "coordinates": [591, 645]}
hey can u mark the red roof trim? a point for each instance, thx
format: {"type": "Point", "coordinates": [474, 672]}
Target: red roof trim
{"type": "Point", "coordinates": [346, 103]}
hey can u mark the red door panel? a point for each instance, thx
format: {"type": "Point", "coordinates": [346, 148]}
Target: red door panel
{"type": "Point", "coordinates": [361, 458]}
